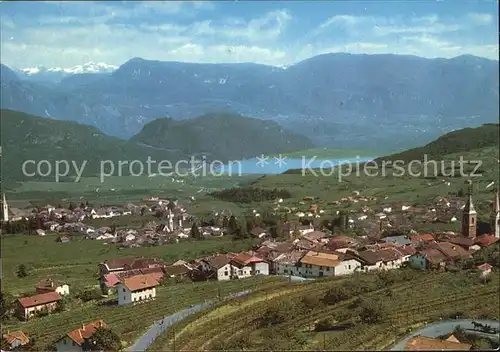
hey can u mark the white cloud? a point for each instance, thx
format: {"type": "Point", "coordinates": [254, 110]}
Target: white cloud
{"type": "Point", "coordinates": [481, 18]}
{"type": "Point", "coordinates": [270, 38]}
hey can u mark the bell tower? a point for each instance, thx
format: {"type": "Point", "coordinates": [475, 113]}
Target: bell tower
{"type": "Point", "coordinates": [469, 216]}
{"type": "Point", "coordinates": [495, 217]}
{"type": "Point", "coordinates": [5, 209]}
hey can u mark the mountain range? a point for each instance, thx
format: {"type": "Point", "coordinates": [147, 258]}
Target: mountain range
{"type": "Point", "coordinates": [337, 100]}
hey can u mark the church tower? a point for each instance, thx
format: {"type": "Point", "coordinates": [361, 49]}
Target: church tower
{"type": "Point", "coordinates": [469, 217]}
{"type": "Point", "coordinates": [495, 217]}
{"type": "Point", "coordinates": [5, 209]}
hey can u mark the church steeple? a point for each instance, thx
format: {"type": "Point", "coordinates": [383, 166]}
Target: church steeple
{"type": "Point", "coordinates": [469, 216]}
{"type": "Point", "coordinates": [495, 217]}
{"type": "Point", "coordinates": [5, 209]}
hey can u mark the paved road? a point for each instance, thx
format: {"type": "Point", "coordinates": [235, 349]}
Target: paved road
{"type": "Point", "coordinates": [442, 328]}
{"type": "Point", "coordinates": [162, 326]}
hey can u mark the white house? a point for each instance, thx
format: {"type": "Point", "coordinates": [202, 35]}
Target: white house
{"type": "Point", "coordinates": [246, 265]}
{"type": "Point", "coordinates": [286, 263]}
{"type": "Point", "coordinates": [136, 289]}
{"type": "Point", "coordinates": [382, 259]}
{"type": "Point", "coordinates": [74, 340]}
{"type": "Point", "coordinates": [51, 286]}
{"type": "Point", "coordinates": [15, 339]}
{"type": "Point", "coordinates": [218, 266]}
{"type": "Point", "coordinates": [319, 264]}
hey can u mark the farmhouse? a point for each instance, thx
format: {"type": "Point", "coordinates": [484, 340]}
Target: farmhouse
{"type": "Point", "coordinates": [423, 343]}
{"type": "Point", "coordinates": [218, 267]}
{"type": "Point", "coordinates": [287, 263]}
{"type": "Point", "coordinates": [16, 339]}
{"type": "Point", "coordinates": [319, 264]}
{"type": "Point", "coordinates": [136, 289]}
{"type": "Point", "coordinates": [246, 265]}
{"type": "Point", "coordinates": [45, 286]}
{"type": "Point", "coordinates": [74, 340]}
{"type": "Point", "coordinates": [28, 306]}
{"type": "Point", "coordinates": [388, 258]}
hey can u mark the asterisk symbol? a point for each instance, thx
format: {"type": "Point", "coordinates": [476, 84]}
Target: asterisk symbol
{"type": "Point", "coordinates": [280, 160]}
{"type": "Point", "coordinates": [262, 160]}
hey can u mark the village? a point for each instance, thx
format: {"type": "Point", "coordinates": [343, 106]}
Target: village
{"type": "Point", "coordinates": [302, 251]}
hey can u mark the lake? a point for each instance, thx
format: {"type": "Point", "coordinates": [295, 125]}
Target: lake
{"type": "Point", "coordinates": [275, 166]}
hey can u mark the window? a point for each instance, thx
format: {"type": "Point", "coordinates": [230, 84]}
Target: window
{"type": "Point", "coordinates": [285, 271]}
{"type": "Point", "coordinates": [240, 272]}
{"type": "Point", "coordinates": [327, 268]}
{"type": "Point", "coordinates": [123, 290]}
{"type": "Point", "coordinates": [349, 267]}
{"type": "Point", "coordinates": [74, 344]}
{"type": "Point", "coordinates": [124, 298]}
{"type": "Point", "coordinates": [226, 273]}
{"type": "Point", "coordinates": [320, 268]}
{"type": "Point", "coordinates": [64, 341]}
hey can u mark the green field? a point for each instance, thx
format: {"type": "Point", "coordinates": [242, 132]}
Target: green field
{"type": "Point", "coordinates": [76, 262]}
{"type": "Point", "coordinates": [122, 190]}
{"type": "Point", "coordinates": [286, 319]}
{"type": "Point", "coordinates": [388, 188]}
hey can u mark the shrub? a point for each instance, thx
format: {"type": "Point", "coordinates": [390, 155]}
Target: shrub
{"type": "Point", "coordinates": [371, 311]}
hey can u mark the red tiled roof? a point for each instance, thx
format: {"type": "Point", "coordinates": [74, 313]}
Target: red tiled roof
{"type": "Point", "coordinates": [246, 258]}
{"type": "Point", "coordinates": [424, 237]}
{"type": "Point", "coordinates": [39, 299]}
{"type": "Point", "coordinates": [86, 331]}
{"type": "Point", "coordinates": [423, 343]}
{"type": "Point", "coordinates": [485, 266]}
{"type": "Point", "coordinates": [16, 335]}
{"type": "Point", "coordinates": [486, 240]}
{"type": "Point", "coordinates": [139, 282]}
{"type": "Point", "coordinates": [118, 263]}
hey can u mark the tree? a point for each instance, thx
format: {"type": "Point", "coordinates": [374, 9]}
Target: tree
{"type": "Point", "coordinates": [371, 311]}
{"type": "Point", "coordinates": [22, 271]}
{"type": "Point", "coordinates": [195, 232]}
{"type": "Point", "coordinates": [7, 304]}
{"type": "Point", "coordinates": [232, 225]}
{"type": "Point", "coordinates": [102, 339]}
{"type": "Point", "coordinates": [71, 206]}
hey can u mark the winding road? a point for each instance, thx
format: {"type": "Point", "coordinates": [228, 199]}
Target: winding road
{"type": "Point", "coordinates": [161, 326]}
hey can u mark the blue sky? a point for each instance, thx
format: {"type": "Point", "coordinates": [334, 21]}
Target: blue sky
{"type": "Point", "coordinates": [63, 34]}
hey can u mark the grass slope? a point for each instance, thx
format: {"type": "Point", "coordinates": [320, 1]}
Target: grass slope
{"type": "Point", "coordinates": [221, 136]}
{"type": "Point", "coordinates": [28, 137]}
{"type": "Point", "coordinates": [487, 135]}
{"type": "Point", "coordinates": [45, 258]}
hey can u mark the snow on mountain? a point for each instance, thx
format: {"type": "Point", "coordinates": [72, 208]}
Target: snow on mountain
{"type": "Point", "coordinates": [90, 67]}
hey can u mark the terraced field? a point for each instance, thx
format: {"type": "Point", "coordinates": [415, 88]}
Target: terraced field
{"type": "Point", "coordinates": [131, 321]}
{"type": "Point", "coordinates": [409, 299]}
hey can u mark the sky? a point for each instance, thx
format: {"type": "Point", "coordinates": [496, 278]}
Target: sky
{"type": "Point", "coordinates": [64, 34]}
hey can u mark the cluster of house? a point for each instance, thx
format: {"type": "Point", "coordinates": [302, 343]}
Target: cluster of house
{"type": "Point", "coordinates": [73, 341]}
{"type": "Point", "coordinates": [375, 220]}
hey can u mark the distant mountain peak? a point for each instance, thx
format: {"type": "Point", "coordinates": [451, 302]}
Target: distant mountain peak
{"type": "Point", "coordinates": [89, 67]}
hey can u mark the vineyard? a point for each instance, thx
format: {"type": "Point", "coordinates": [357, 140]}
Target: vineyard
{"type": "Point", "coordinates": [131, 321]}
{"type": "Point", "coordinates": [286, 320]}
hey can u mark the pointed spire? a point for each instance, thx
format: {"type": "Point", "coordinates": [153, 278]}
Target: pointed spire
{"type": "Point", "coordinates": [497, 204]}
{"type": "Point", "coordinates": [469, 206]}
